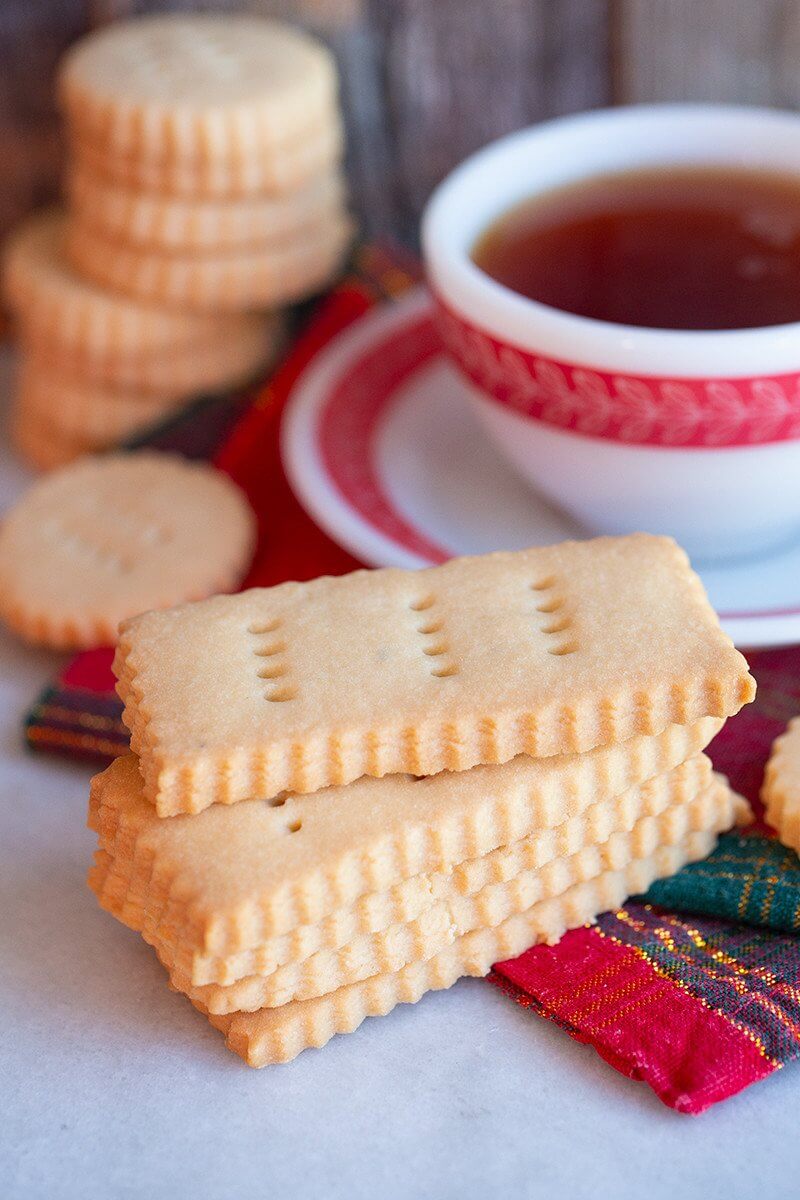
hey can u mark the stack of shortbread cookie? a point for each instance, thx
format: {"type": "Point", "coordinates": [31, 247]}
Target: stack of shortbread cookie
{"type": "Point", "coordinates": [206, 154]}
{"type": "Point", "coordinates": [351, 791]}
{"type": "Point", "coordinates": [96, 367]}
{"type": "Point", "coordinates": [204, 186]}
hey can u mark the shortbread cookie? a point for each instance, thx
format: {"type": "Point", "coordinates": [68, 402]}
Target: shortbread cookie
{"type": "Point", "coordinates": [43, 447]}
{"type": "Point", "coordinates": [445, 922]}
{"type": "Point", "coordinates": [179, 226]}
{"type": "Point", "coordinates": [197, 87]}
{"type": "Point", "coordinates": [545, 651]}
{"type": "Point", "coordinates": [255, 277]}
{"type": "Point", "coordinates": [371, 847]}
{"type": "Point", "coordinates": [125, 892]}
{"type": "Point", "coordinates": [102, 417]}
{"type": "Point", "coordinates": [277, 174]}
{"type": "Point", "coordinates": [682, 812]}
{"type": "Point", "coordinates": [116, 535]}
{"type": "Point", "coordinates": [276, 1035]}
{"type": "Point", "coordinates": [54, 302]}
{"type": "Point", "coordinates": [221, 362]}
{"type": "Point", "coordinates": [781, 790]}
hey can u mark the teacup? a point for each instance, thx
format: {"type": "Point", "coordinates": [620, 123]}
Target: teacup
{"type": "Point", "coordinates": [695, 434]}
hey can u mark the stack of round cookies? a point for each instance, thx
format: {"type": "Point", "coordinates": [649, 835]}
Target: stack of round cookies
{"type": "Point", "coordinates": [206, 157]}
{"type": "Point", "coordinates": [204, 192]}
{"type": "Point", "coordinates": [96, 367]}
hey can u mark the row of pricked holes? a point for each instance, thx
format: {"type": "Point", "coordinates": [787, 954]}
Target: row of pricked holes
{"type": "Point", "coordinates": [68, 539]}
{"type": "Point", "coordinates": [138, 529]}
{"type": "Point", "coordinates": [429, 629]}
{"type": "Point", "coordinates": [71, 539]}
{"type": "Point", "coordinates": [558, 624]}
{"type": "Point", "coordinates": [546, 606]}
{"type": "Point", "coordinates": [279, 693]}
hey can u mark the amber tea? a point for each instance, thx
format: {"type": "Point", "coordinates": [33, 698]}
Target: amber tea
{"type": "Point", "coordinates": [668, 248]}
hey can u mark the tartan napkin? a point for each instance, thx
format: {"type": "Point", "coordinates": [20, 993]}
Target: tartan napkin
{"type": "Point", "coordinates": [693, 988]}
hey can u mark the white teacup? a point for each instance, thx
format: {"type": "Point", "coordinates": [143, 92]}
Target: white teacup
{"type": "Point", "coordinates": [695, 434]}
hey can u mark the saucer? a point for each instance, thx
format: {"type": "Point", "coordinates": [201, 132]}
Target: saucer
{"type": "Point", "coordinates": [383, 450]}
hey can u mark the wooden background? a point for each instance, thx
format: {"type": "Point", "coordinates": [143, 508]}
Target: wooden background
{"type": "Point", "coordinates": [427, 81]}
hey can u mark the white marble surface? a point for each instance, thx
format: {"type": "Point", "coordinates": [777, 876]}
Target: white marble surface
{"type": "Point", "coordinates": [112, 1087]}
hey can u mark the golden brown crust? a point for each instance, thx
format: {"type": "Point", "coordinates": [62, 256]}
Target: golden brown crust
{"type": "Point", "coordinates": [175, 225]}
{"type": "Point", "coordinates": [222, 361]}
{"type": "Point", "coordinates": [581, 644]}
{"type": "Point", "coordinates": [44, 449]}
{"type": "Point", "coordinates": [364, 855]}
{"type": "Point", "coordinates": [92, 416]}
{"type": "Point", "coordinates": [279, 1034]}
{"type": "Point", "coordinates": [261, 276]}
{"type": "Point", "coordinates": [278, 175]}
{"type": "Point", "coordinates": [660, 813]}
{"type": "Point", "coordinates": [197, 87]}
{"type": "Point", "coordinates": [781, 790]}
{"type": "Point", "coordinates": [53, 302]}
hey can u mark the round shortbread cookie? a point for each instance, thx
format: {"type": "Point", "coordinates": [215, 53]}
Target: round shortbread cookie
{"type": "Point", "coordinates": [169, 223]}
{"type": "Point", "coordinates": [86, 414]}
{"type": "Point", "coordinates": [46, 293]}
{"type": "Point", "coordinates": [197, 87]}
{"type": "Point", "coordinates": [781, 789]}
{"type": "Point", "coordinates": [235, 281]}
{"type": "Point", "coordinates": [278, 174]}
{"type": "Point", "coordinates": [111, 536]}
{"type": "Point", "coordinates": [216, 364]}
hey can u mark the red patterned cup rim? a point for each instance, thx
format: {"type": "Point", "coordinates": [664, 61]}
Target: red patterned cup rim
{"type": "Point", "coordinates": [643, 410]}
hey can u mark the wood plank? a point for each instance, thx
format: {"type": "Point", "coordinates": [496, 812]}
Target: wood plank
{"type": "Point", "coordinates": [371, 158]}
{"type": "Point", "coordinates": [462, 72]}
{"type": "Point", "coordinates": [717, 50]}
{"type": "Point", "coordinates": [32, 38]}
{"type": "Point", "coordinates": [317, 15]}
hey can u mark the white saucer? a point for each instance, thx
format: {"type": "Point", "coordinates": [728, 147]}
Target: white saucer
{"type": "Point", "coordinates": [381, 447]}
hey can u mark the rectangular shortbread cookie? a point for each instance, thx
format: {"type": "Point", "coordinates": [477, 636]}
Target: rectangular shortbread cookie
{"type": "Point", "coordinates": [577, 849]}
{"type": "Point", "coordinates": [227, 880]}
{"type": "Point", "coordinates": [679, 810]}
{"type": "Point", "coordinates": [277, 1035]}
{"type": "Point", "coordinates": [540, 652]}
{"type": "Point", "coordinates": [124, 892]}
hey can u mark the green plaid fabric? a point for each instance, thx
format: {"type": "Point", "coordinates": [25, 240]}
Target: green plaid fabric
{"type": "Point", "coordinates": [748, 878]}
